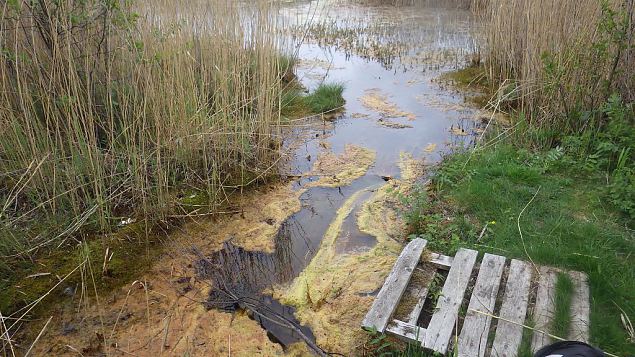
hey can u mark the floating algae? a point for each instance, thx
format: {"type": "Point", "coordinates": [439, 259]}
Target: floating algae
{"type": "Point", "coordinates": [164, 313]}
{"type": "Point", "coordinates": [330, 295]}
{"type": "Point", "coordinates": [393, 124]}
{"type": "Point", "coordinates": [256, 224]}
{"type": "Point", "coordinates": [375, 100]}
{"type": "Point", "coordinates": [341, 170]}
{"type": "Point", "coordinates": [430, 148]}
{"type": "Point", "coordinates": [159, 313]}
{"type": "Point", "coordinates": [334, 292]}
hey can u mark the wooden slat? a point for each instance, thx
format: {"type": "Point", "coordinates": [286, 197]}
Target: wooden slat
{"type": "Point", "coordinates": [406, 332]}
{"type": "Point", "coordinates": [394, 286]}
{"type": "Point", "coordinates": [473, 338]}
{"type": "Point", "coordinates": [441, 261]}
{"type": "Point", "coordinates": [545, 307]}
{"type": "Point", "coordinates": [420, 293]}
{"type": "Point", "coordinates": [580, 308]}
{"type": "Point", "coordinates": [513, 312]}
{"type": "Point", "coordinates": [442, 323]}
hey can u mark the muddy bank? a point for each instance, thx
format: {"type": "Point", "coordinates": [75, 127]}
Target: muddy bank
{"type": "Point", "coordinates": [164, 310]}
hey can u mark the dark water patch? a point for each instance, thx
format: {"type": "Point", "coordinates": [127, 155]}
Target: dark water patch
{"type": "Point", "coordinates": [350, 239]}
{"type": "Point", "coordinates": [238, 278]}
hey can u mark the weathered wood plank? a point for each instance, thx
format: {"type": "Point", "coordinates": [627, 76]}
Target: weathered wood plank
{"type": "Point", "coordinates": [473, 338]}
{"type": "Point", "coordinates": [406, 332]}
{"type": "Point", "coordinates": [580, 308]}
{"type": "Point", "coordinates": [545, 307]}
{"type": "Point", "coordinates": [441, 261]}
{"type": "Point", "coordinates": [513, 312]}
{"type": "Point", "coordinates": [420, 293]}
{"type": "Point", "coordinates": [443, 320]}
{"type": "Point", "coordinates": [394, 286]}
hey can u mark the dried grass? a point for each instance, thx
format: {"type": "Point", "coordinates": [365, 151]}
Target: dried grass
{"type": "Point", "coordinates": [107, 110]}
{"type": "Point", "coordinates": [561, 57]}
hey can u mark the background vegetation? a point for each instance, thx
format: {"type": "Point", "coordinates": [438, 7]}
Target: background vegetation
{"type": "Point", "coordinates": [559, 61]}
{"type": "Point", "coordinates": [111, 108]}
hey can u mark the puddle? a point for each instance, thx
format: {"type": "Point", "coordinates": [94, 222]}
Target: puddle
{"type": "Point", "coordinates": [239, 277]}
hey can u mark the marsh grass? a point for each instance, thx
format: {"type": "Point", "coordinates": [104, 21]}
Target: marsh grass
{"type": "Point", "coordinates": [108, 110]}
{"type": "Point", "coordinates": [326, 98]}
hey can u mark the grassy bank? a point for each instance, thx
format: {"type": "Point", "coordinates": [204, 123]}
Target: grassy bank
{"type": "Point", "coordinates": [557, 199]}
{"type": "Point", "coordinates": [544, 206]}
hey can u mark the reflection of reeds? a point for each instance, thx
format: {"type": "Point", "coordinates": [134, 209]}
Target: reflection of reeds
{"type": "Point", "coordinates": [108, 109]}
{"type": "Point", "coordinates": [563, 57]}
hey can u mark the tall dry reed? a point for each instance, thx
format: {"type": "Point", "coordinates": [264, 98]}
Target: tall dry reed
{"type": "Point", "coordinates": [558, 59]}
{"type": "Point", "coordinates": [107, 110]}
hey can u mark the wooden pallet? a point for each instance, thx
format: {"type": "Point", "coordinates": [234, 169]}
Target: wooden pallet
{"type": "Point", "coordinates": [488, 299]}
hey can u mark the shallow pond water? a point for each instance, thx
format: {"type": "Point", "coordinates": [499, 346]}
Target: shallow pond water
{"type": "Point", "coordinates": [388, 58]}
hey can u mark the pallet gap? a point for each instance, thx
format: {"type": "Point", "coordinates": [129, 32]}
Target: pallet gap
{"type": "Point", "coordinates": [497, 307]}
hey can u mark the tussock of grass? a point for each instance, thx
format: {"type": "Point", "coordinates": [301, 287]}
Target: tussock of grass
{"type": "Point", "coordinates": [326, 98]}
{"type": "Point", "coordinates": [569, 224]}
{"type": "Point", "coordinates": [562, 315]}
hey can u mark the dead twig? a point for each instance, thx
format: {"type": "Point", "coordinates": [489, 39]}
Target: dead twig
{"type": "Point", "coordinates": [38, 336]}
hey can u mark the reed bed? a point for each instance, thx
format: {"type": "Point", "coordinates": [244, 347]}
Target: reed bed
{"type": "Point", "coordinates": [559, 60]}
{"type": "Point", "coordinates": [108, 110]}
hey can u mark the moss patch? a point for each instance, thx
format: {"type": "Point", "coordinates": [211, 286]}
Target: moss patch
{"type": "Point", "coordinates": [473, 79]}
{"type": "Point", "coordinates": [130, 252]}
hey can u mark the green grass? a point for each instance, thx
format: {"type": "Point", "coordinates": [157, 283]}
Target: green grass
{"type": "Point", "coordinates": [326, 98]}
{"type": "Point", "coordinates": [569, 224]}
{"type": "Point", "coordinates": [563, 298]}
{"type": "Point", "coordinates": [525, 350]}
